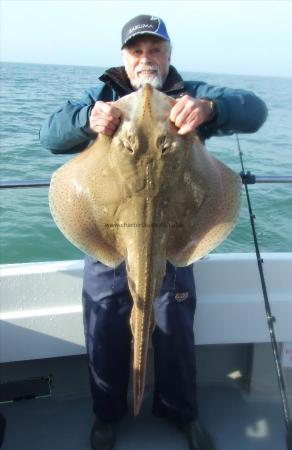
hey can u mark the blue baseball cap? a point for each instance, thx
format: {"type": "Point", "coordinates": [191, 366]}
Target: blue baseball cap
{"type": "Point", "coordinates": [144, 25]}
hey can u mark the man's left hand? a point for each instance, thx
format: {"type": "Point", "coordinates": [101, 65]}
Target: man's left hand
{"type": "Point", "coordinates": [188, 113]}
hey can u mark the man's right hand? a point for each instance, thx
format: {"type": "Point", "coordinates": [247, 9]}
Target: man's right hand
{"type": "Point", "coordinates": [104, 118]}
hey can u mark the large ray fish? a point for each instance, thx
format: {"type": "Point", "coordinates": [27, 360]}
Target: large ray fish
{"type": "Point", "coordinates": [145, 195]}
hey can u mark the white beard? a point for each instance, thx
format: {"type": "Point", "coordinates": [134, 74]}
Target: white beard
{"type": "Point", "coordinates": [141, 78]}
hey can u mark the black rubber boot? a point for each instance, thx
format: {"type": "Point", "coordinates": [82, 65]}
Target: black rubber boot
{"type": "Point", "coordinates": [102, 436]}
{"type": "Point", "coordinates": [198, 438]}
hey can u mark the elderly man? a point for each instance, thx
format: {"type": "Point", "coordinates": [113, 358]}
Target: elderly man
{"type": "Point", "coordinates": [146, 53]}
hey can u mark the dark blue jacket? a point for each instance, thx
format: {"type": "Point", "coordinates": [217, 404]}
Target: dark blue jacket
{"type": "Point", "coordinates": [67, 130]}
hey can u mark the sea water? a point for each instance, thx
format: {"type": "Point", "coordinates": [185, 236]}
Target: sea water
{"type": "Point", "coordinates": [30, 92]}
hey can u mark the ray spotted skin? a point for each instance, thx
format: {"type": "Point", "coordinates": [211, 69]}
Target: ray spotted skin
{"type": "Point", "coordinates": [145, 195]}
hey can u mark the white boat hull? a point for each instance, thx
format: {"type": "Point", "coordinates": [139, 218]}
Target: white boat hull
{"type": "Point", "coordinates": [41, 311]}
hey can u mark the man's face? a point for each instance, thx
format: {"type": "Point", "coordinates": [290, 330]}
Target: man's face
{"type": "Point", "coordinates": [146, 60]}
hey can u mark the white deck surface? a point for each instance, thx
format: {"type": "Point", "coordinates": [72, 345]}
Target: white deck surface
{"type": "Point", "coordinates": [235, 421]}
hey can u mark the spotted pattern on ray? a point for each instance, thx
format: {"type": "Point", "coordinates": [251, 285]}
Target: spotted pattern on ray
{"type": "Point", "coordinates": [145, 195]}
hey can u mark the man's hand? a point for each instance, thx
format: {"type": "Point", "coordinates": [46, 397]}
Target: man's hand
{"type": "Point", "coordinates": [188, 113]}
{"type": "Point", "coordinates": [104, 118]}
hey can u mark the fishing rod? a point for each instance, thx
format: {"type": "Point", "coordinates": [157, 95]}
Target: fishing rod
{"type": "Point", "coordinates": [247, 179]}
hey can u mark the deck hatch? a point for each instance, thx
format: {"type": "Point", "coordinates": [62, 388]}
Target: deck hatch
{"type": "Point", "coordinates": [29, 388]}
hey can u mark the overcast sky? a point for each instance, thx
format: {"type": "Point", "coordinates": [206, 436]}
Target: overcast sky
{"type": "Point", "coordinates": [231, 36]}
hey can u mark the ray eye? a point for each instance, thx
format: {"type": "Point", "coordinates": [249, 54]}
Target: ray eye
{"type": "Point", "coordinates": [129, 145]}
{"type": "Point", "coordinates": [163, 143]}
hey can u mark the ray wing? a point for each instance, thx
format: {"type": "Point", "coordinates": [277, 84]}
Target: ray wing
{"type": "Point", "coordinates": [205, 207]}
{"type": "Point", "coordinates": [84, 198]}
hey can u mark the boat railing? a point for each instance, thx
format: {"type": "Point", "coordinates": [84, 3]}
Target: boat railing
{"type": "Point", "coordinates": [247, 178]}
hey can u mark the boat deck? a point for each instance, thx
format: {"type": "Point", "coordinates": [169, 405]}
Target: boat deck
{"type": "Point", "coordinates": [236, 419]}
{"type": "Point", "coordinates": [41, 317]}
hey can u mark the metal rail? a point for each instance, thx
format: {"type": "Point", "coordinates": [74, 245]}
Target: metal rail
{"type": "Point", "coordinates": [23, 184]}
{"type": "Point", "coordinates": [247, 178]}
{"type": "Point", "coordinates": [273, 179]}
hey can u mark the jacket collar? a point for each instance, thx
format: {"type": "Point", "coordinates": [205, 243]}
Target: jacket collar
{"type": "Point", "coordinates": [117, 79]}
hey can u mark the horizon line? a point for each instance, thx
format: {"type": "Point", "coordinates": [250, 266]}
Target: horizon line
{"type": "Point", "coordinates": [181, 70]}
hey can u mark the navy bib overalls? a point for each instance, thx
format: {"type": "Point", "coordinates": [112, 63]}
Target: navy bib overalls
{"type": "Point", "coordinates": [107, 306]}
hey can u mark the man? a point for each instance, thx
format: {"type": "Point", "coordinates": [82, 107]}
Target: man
{"type": "Point", "coordinates": [146, 53]}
